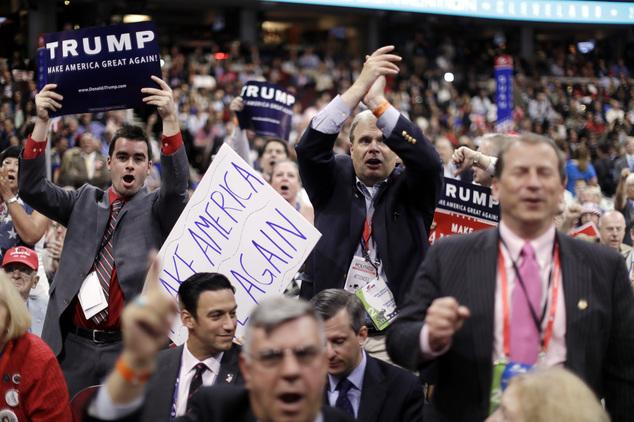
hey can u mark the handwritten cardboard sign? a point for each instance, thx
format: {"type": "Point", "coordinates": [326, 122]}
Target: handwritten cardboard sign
{"type": "Point", "coordinates": [237, 225]}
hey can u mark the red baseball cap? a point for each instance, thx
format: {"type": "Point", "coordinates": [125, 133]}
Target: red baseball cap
{"type": "Point", "coordinates": [21, 254]}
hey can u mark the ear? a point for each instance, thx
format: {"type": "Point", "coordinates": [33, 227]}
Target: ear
{"type": "Point", "coordinates": [187, 319]}
{"type": "Point", "coordinates": [149, 167]}
{"type": "Point", "coordinates": [108, 163]}
{"type": "Point", "coordinates": [363, 335]}
{"type": "Point", "coordinates": [35, 281]}
{"type": "Point", "coordinates": [495, 189]}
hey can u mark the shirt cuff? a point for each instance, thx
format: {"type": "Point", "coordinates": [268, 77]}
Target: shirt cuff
{"type": "Point", "coordinates": [425, 348]}
{"type": "Point", "coordinates": [170, 144]}
{"type": "Point", "coordinates": [491, 169]}
{"type": "Point", "coordinates": [34, 149]}
{"type": "Point", "coordinates": [331, 119]}
{"type": "Point", "coordinates": [104, 408]}
{"type": "Point", "coordinates": [388, 120]}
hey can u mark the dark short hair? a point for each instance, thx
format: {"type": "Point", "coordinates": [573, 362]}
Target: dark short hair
{"type": "Point", "coordinates": [329, 302]}
{"type": "Point", "coordinates": [11, 152]}
{"type": "Point", "coordinates": [190, 290]}
{"type": "Point", "coordinates": [284, 144]}
{"type": "Point", "coordinates": [131, 132]}
{"type": "Point", "coordinates": [531, 138]}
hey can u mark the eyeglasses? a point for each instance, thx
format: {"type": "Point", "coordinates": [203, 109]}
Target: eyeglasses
{"type": "Point", "coordinates": [273, 358]}
{"type": "Point", "coordinates": [23, 271]}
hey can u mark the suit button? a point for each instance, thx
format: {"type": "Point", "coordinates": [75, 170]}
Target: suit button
{"type": "Point", "coordinates": [404, 134]}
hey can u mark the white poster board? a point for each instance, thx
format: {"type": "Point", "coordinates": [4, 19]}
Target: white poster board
{"type": "Point", "coordinates": [236, 224]}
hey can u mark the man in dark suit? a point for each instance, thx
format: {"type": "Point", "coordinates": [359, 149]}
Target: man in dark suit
{"type": "Point", "coordinates": [378, 391]}
{"type": "Point", "coordinates": [468, 309]}
{"type": "Point", "coordinates": [367, 207]}
{"type": "Point", "coordinates": [208, 311]}
{"type": "Point", "coordinates": [283, 363]}
{"type": "Point", "coordinates": [104, 252]}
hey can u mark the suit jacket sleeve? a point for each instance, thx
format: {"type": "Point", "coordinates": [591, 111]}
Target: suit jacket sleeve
{"type": "Point", "coordinates": [423, 167]}
{"type": "Point", "coordinates": [403, 337]}
{"type": "Point", "coordinates": [173, 195]}
{"type": "Point", "coordinates": [48, 199]}
{"type": "Point", "coordinates": [317, 165]}
{"type": "Point", "coordinates": [618, 370]}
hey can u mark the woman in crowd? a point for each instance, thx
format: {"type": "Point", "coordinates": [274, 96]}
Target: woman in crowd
{"type": "Point", "coordinates": [28, 224]}
{"type": "Point", "coordinates": [32, 384]}
{"type": "Point", "coordinates": [580, 168]}
{"type": "Point", "coordinates": [551, 395]}
{"type": "Point", "coordinates": [285, 180]}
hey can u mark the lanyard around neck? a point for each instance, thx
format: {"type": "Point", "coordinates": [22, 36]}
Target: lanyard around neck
{"type": "Point", "coordinates": [555, 275]}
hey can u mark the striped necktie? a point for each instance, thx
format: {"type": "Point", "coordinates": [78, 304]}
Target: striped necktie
{"type": "Point", "coordinates": [197, 382]}
{"type": "Point", "coordinates": [105, 260]}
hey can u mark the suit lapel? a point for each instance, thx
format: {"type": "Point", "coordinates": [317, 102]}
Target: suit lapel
{"type": "Point", "coordinates": [357, 214]}
{"type": "Point", "coordinates": [577, 282]}
{"type": "Point", "coordinates": [229, 371]}
{"type": "Point", "coordinates": [103, 216]}
{"type": "Point", "coordinates": [373, 393]}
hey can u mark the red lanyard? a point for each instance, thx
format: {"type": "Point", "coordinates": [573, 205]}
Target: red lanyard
{"type": "Point", "coordinates": [367, 233]}
{"type": "Point", "coordinates": [505, 302]}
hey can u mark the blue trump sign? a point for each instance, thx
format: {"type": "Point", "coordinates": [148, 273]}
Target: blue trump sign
{"type": "Point", "coordinates": [268, 109]}
{"type": "Point", "coordinates": [100, 69]}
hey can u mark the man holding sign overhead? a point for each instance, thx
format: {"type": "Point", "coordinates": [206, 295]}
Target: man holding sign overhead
{"type": "Point", "coordinates": [109, 234]}
{"type": "Point", "coordinates": [374, 215]}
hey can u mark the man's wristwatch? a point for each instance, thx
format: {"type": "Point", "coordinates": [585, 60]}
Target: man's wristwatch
{"type": "Point", "coordinates": [476, 159]}
{"type": "Point", "coordinates": [11, 200]}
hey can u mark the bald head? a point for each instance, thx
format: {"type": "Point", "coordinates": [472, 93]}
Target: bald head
{"type": "Point", "coordinates": [612, 229]}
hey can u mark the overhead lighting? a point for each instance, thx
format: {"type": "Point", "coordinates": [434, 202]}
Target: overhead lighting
{"type": "Point", "coordinates": [136, 18]}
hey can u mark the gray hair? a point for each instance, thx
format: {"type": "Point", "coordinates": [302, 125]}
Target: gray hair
{"type": "Point", "coordinates": [273, 312]}
{"type": "Point", "coordinates": [364, 115]}
{"type": "Point", "coordinates": [330, 301]}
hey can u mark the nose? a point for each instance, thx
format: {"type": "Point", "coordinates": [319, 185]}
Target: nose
{"type": "Point", "coordinates": [229, 323]}
{"type": "Point", "coordinates": [290, 367]}
{"type": "Point", "coordinates": [330, 351]}
{"type": "Point", "coordinates": [374, 146]}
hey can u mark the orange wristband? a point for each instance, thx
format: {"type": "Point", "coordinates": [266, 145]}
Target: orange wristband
{"type": "Point", "coordinates": [381, 108]}
{"type": "Point", "coordinates": [129, 374]}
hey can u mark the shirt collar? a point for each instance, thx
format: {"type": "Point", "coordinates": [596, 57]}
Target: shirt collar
{"type": "Point", "coordinates": [355, 377]}
{"type": "Point", "coordinates": [113, 196]}
{"type": "Point", "coordinates": [543, 245]}
{"type": "Point", "coordinates": [188, 361]}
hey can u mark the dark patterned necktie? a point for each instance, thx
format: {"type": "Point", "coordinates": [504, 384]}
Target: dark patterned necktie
{"type": "Point", "coordinates": [196, 383]}
{"type": "Point", "coordinates": [343, 401]}
{"type": "Point", "coordinates": [105, 260]}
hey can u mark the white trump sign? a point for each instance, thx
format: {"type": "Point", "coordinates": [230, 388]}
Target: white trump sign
{"type": "Point", "coordinates": [237, 225]}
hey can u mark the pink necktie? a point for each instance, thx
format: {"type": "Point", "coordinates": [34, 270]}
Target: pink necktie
{"type": "Point", "coordinates": [524, 331]}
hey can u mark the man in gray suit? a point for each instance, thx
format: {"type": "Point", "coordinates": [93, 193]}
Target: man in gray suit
{"type": "Point", "coordinates": [21, 265]}
{"type": "Point", "coordinates": [109, 234]}
{"type": "Point", "coordinates": [482, 314]}
{"type": "Point", "coordinates": [208, 311]}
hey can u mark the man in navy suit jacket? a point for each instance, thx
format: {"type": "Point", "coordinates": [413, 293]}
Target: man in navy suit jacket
{"type": "Point", "coordinates": [396, 201]}
{"type": "Point", "coordinates": [455, 315]}
{"type": "Point", "coordinates": [380, 392]}
{"type": "Point", "coordinates": [208, 311]}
